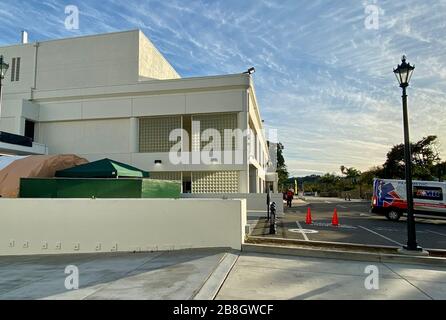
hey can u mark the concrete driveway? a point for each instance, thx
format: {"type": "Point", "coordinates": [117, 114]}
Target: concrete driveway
{"type": "Point", "coordinates": [146, 276]}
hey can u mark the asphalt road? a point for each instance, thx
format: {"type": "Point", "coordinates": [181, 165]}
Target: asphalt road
{"type": "Point", "coordinates": [357, 225]}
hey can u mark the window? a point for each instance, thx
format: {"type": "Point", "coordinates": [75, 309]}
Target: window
{"type": "Point", "coordinates": [29, 129]}
{"type": "Point", "coordinates": [15, 69]}
{"type": "Point", "coordinates": [428, 193]}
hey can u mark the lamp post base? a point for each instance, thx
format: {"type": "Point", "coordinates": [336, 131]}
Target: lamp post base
{"type": "Point", "coordinates": [413, 252]}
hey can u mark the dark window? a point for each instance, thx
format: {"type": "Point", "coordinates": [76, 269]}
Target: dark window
{"type": "Point", "coordinates": [187, 187]}
{"type": "Point", "coordinates": [13, 69]}
{"type": "Point", "coordinates": [29, 129]}
{"type": "Point", "coordinates": [17, 70]}
{"type": "Point", "coordinates": [428, 193]}
{"type": "Point", "coordinates": [187, 182]}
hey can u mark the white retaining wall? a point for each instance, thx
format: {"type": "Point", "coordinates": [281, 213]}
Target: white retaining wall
{"type": "Point", "coordinates": [51, 226]}
{"type": "Point", "coordinates": [254, 201]}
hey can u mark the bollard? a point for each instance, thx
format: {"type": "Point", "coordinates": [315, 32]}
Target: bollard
{"type": "Point", "coordinates": [268, 200]}
{"type": "Point", "coordinates": [272, 222]}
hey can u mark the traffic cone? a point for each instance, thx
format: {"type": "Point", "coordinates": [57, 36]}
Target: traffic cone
{"type": "Point", "coordinates": [308, 220]}
{"type": "Point", "coordinates": [335, 220]}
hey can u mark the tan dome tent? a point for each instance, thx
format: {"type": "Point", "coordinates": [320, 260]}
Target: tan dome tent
{"type": "Point", "coordinates": [32, 167]}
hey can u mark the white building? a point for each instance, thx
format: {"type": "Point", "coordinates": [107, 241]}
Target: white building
{"type": "Point", "coordinates": [116, 96]}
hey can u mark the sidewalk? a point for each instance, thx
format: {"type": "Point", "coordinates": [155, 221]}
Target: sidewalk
{"type": "Point", "coordinates": [209, 273]}
{"type": "Point", "coordinates": [323, 199]}
{"type": "Point", "coordinates": [271, 277]}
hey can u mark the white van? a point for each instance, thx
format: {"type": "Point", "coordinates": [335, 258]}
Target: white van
{"type": "Point", "coordinates": [389, 198]}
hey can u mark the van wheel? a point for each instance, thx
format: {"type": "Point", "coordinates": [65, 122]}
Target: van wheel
{"type": "Point", "coordinates": [393, 215]}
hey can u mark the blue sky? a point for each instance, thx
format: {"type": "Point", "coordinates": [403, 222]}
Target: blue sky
{"type": "Point", "coordinates": [324, 77]}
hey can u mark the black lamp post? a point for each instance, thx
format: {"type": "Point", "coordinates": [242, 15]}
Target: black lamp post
{"type": "Point", "coordinates": [3, 68]}
{"type": "Point", "coordinates": [403, 74]}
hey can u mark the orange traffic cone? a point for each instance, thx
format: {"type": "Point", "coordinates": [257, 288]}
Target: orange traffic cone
{"type": "Point", "coordinates": [308, 220]}
{"type": "Point", "coordinates": [335, 220]}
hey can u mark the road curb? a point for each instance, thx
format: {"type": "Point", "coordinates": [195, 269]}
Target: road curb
{"type": "Point", "coordinates": [343, 246]}
{"type": "Point", "coordinates": [322, 244]}
{"type": "Point", "coordinates": [216, 279]}
{"type": "Point", "coordinates": [341, 255]}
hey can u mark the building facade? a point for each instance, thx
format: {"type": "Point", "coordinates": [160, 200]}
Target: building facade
{"type": "Point", "coordinates": [115, 96]}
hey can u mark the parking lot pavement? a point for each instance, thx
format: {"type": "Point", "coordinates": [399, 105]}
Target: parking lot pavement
{"type": "Point", "coordinates": [271, 277]}
{"type": "Point", "coordinates": [357, 225]}
{"type": "Point", "coordinates": [145, 276]}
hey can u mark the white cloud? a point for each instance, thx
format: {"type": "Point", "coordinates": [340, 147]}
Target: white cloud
{"type": "Point", "coordinates": [322, 79]}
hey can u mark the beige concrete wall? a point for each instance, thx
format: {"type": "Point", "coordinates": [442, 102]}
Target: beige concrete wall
{"type": "Point", "coordinates": [260, 144]}
{"type": "Point", "coordinates": [254, 201]}
{"type": "Point", "coordinates": [26, 80]}
{"type": "Point", "coordinates": [100, 60]}
{"type": "Point", "coordinates": [73, 126]}
{"type": "Point", "coordinates": [86, 137]}
{"type": "Point", "coordinates": [138, 106]}
{"type": "Point", "coordinates": [152, 63]}
{"type": "Point", "coordinates": [88, 61]}
{"type": "Point", "coordinates": [55, 226]}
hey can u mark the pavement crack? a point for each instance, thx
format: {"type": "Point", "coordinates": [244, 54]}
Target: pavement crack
{"type": "Point", "coordinates": [408, 281]}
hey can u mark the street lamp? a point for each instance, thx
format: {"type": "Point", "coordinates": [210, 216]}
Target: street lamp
{"type": "Point", "coordinates": [3, 69]}
{"type": "Point", "coordinates": [403, 74]}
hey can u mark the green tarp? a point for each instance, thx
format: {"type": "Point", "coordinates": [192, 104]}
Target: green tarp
{"type": "Point", "coordinates": [160, 189]}
{"type": "Point", "coordinates": [98, 188]}
{"type": "Point", "coordinates": [105, 168]}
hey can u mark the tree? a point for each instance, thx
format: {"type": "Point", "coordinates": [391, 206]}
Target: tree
{"type": "Point", "coordinates": [425, 159]}
{"type": "Point", "coordinates": [367, 177]}
{"type": "Point", "coordinates": [350, 173]}
{"type": "Point", "coordinates": [282, 170]}
{"type": "Point", "coordinates": [440, 171]}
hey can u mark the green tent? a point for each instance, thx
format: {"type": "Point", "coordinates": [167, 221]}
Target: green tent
{"type": "Point", "coordinates": [105, 168]}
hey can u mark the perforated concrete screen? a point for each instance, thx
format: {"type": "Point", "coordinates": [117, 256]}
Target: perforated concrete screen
{"type": "Point", "coordinates": [154, 133]}
{"type": "Point", "coordinates": [215, 182]}
{"type": "Point", "coordinates": [171, 176]}
{"type": "Point", "coordinates": [219, 122]}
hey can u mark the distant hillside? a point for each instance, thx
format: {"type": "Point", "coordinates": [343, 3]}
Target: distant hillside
{"type": "Point", "coordinates": [308, 179]}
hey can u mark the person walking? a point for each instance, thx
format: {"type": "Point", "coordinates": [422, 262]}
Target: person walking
{"type": "Point", "coordinates": [289, 198]}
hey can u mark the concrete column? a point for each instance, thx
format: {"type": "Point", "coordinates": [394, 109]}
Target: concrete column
{"type": "Point", "coordinates": [242, 120]}
{"type": "Point", "coordinates": [20, 126]}
{"type": "Point", "coordinates": [134, 135]}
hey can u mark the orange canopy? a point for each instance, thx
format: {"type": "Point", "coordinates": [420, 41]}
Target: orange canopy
{"type": "Point", "coordinates": [34, 166]}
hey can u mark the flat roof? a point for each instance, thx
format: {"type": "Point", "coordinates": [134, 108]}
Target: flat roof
{"type": "Point", "coordinates": [147, 87]}
{"type": "Point", "coordinates": [72, 38]}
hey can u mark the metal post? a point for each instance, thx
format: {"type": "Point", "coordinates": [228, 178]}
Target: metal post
{"type": "Point", "coordinates": [268, 200]}
{"type": "Point", "coordinates": [411, 233]}
{"type": "Point", "coordinates": [1, 92]}
{"type": "Point", "coordinates": [272, 222]}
